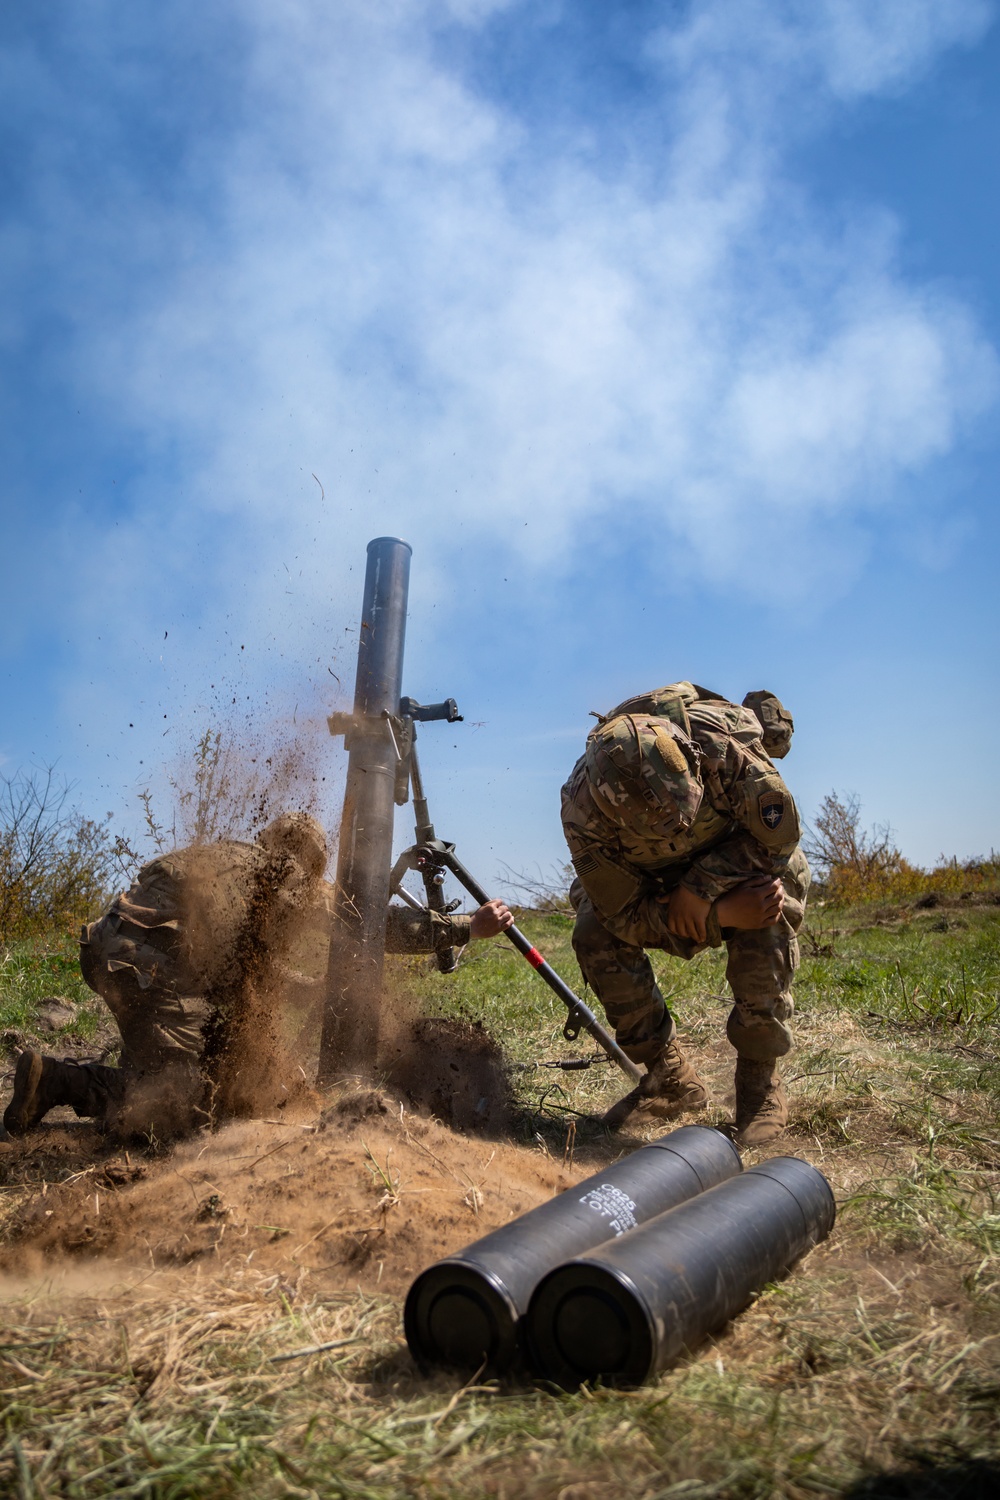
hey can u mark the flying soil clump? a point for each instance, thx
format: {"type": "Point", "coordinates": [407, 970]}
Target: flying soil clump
{"type": "Point", "coordinates": [455, 1071]}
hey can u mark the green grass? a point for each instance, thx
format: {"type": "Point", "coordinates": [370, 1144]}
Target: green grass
{"type": "Point", "coordinates": [32, 971]}
{"type": "Point", "coordinates": [880, 1353]}
{"type": "Point", "coordinates": [776, 1408]}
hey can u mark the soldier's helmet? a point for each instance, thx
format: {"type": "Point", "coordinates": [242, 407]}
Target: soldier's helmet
{"type": "Point", "coordinates": [643, 773]}
{"type": "Point", "coordinates": [298, 836]}
{"type": "Point", "coordinates": [776, 723]}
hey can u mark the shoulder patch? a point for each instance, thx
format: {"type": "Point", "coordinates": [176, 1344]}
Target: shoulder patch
{"type": "Point", "coordinates": [771, 809]}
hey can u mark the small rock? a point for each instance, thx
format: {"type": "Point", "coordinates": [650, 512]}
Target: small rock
{"type": "Point", "coordinates": [54, 1012]}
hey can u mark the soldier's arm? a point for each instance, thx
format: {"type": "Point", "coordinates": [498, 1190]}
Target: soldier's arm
{"type": "Point", "coordinates": [411, 931]}
{"type": "Point", "coordinates": [767, 831]}
{"type": "Point", "coordinates": [625, 899]}
{"type": "Point", "coordinates": [628, 902]}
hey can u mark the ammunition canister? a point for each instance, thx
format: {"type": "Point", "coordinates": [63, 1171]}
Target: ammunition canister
{"type": "Point", "coordinates": [467, 1309]}
{"type": "Point", "coordinates": [638, 1303]}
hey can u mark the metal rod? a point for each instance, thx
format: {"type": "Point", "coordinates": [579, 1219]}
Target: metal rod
{"type": "Point", "coordinates": [408, 900]}
{"type": "Point", "coordinates": [433, 878]}
{"type": "Point", "coordinates": [357, 943]}
{"type": "Point", "coordinates": [424, 828]}
{"type": "Point", "coordinates": [580, 1015]}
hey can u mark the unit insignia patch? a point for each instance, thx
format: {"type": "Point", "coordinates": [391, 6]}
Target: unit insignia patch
{"type": "Point", "coordinates": [772, 809]}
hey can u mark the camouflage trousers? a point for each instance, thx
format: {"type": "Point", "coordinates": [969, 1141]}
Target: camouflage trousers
{"type": "Point", "coordinates": [760, 970]}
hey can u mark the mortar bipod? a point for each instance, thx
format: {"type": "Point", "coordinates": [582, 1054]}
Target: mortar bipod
{"type": "Point", "coordinates": [403, 732]}
{"type": "Point", "coordinates": [431, 857]}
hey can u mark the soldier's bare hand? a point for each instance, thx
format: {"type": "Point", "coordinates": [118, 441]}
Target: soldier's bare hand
{"type": "Point", "coordinates": [752, 906]}
{"type": "Point", "coordinates": [492, 919]}
{"type": "Point", "coordinates": [687, 914]}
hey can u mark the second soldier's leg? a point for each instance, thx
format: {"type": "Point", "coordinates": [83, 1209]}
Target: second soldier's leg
{"type": "Point", "coordinates": [760, 971]}
{"type": "Point", "coordinates": [622, 978]}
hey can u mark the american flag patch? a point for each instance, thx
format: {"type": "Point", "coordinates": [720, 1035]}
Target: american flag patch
{"type": "Point", "coordinates": [586, 863]}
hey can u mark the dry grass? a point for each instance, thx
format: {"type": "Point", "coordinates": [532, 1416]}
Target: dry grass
{"type": "Point", "coordinates": [879, 1356]}
{"type": "Point", "coordinates": [211, 1389]}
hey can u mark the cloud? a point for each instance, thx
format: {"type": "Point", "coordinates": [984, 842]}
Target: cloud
{"type": "Point", "coordinates": [363, 265]}
{"type": "Point", "coordinates": [762, 53]}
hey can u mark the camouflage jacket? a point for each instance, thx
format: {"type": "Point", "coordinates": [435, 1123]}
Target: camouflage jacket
{"type": "Point", "coordinates": [177, 928]}
{"type": "Point", "coordinates": [746, 824]}
{"type": "Point", "coordinates": [409, 931]}
{"type": "Point", "coordinates": [179, 924]}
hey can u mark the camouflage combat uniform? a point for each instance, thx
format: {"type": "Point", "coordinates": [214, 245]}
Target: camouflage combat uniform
{"type": "Point", "coordinates": [734, 820]}
{"type": "Point", "coordinates": [164, 957]}
{"type": "Point", "coordinates": [164, 954]}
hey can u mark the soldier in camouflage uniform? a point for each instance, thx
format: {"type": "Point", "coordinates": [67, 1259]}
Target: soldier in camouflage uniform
{"type": "Point", "coordinates": [170, 957]}
{"type": "Point", "coordinates": [684, 836]}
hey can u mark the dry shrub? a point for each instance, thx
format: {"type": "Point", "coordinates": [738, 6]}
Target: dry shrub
{"type": "Point", "coordinates": [855, 864]}
{"type": "Point", "coordinates": [541, 891]}
{"type": "Point", "coordinates": [233, 783]}
{"type": "Point", "coordinates": [57, 867]}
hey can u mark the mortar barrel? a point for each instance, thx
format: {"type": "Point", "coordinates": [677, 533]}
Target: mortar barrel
{"type": "Point", "coordinates": [636, 1304]}
{"type": "Point", "coordinates": [357, 944]}
{"type": "Point", "coordinates": [469, 1307]}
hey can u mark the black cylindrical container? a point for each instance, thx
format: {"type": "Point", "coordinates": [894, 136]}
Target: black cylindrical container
{"type": "Point", "coordinates": [467, 1309]}
{"type": "Point", "coordinates": [364, 858]}
{"type": "Point", "coordinates": [635, 1305]}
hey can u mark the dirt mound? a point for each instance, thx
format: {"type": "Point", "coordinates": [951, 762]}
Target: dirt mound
{"type": "Point", "coordinates": [454, 1070]}
{"type": "Point", "coordinates": [355, 1189]}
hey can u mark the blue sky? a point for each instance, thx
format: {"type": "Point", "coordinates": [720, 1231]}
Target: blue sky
{"type": "Point", "coordinates": [666, 333]}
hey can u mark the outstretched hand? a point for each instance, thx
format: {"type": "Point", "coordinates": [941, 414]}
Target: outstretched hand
{"type": "Point", "coordinates": [492, 919]}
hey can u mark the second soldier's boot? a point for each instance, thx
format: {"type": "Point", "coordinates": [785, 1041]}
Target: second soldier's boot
{"type": "Point", "coordinates": [35, 1092]}
{"type": "Point", "coordinates": [671, 1086]}
{"type": "Point", "coordinates": [761, 1104]}
{"type": "Point", "coordinates": [41, 1083]}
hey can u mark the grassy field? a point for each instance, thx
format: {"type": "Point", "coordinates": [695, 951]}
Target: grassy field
{"type": "Point", "coordinates": [874, 1370]}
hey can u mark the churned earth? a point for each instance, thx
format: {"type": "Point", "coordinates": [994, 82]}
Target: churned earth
{"type": "Point", "coordinates": [357, 1189]}
{"type": "Point", "coordinates": [223, 1317]}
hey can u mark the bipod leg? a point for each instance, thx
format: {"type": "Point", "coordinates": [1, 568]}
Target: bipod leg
{"type": "Point", "coordinates": [580, 1017]}
{"type": "Point", "coordinates": [432, 870]}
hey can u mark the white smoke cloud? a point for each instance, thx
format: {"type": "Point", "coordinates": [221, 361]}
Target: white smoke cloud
{"type": "Point", "coordinates": [845, 48]}
{"type": "Point", "coordinates": [475, 328]}
{"type": "Point", "coordinates": [383, 305]}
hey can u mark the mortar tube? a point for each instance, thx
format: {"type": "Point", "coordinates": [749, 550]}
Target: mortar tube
{"type": "Point", "coordinates": [357, 940]}
{"type": "Point", "coordinates": [637, 1304]}
{"type": "Point", "coordinates": [469, 1307]}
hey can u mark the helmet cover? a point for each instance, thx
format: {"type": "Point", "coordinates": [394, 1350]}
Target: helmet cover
{"type": "Point", "coordinates": [775, 721]}
{"type": "Point", "coordinates": [298, 836]}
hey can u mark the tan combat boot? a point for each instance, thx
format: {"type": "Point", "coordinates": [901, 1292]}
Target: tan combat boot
{"type": "Point", "coordinates": [33, 1095]}
{"type": "Point", "coordinates": [671, 1086]}
{"type": "Point", "coordinates": [761, 1105]}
